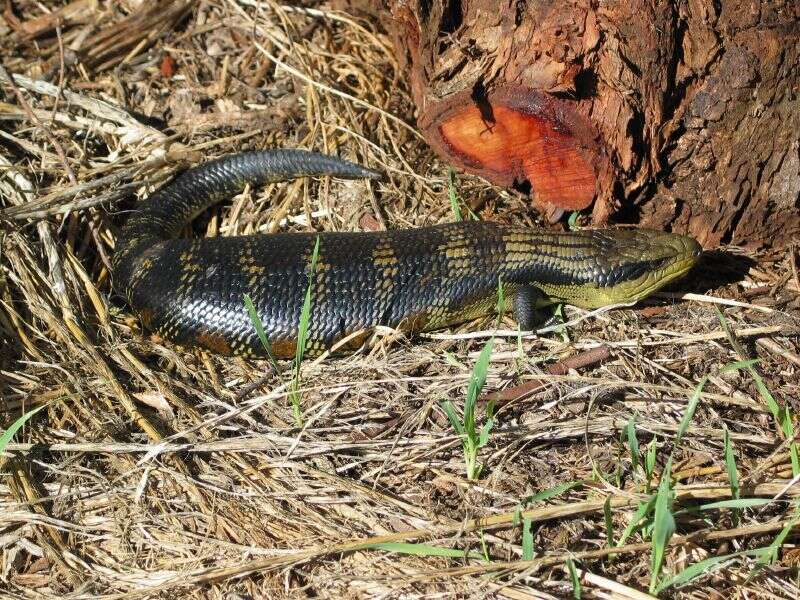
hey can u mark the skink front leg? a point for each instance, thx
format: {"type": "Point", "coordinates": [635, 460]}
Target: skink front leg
{"type": "Point", "coordinates": [527, 307]}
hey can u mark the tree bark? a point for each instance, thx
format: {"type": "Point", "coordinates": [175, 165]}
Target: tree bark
{"type": "Point", "coordinates": [680, 114]}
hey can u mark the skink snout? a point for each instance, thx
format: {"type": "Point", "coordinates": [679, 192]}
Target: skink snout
{"type": "Point", "coordinates": [683, 247]}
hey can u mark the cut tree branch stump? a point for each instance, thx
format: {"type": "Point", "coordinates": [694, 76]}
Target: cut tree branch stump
{"type": "Point", "coordinates": [675, 114]}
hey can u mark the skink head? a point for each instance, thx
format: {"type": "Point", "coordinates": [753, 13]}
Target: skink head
{"type": "Point", "coordinates": [621, 266]}
{"type": "Point", "coordinates": [646, 261]}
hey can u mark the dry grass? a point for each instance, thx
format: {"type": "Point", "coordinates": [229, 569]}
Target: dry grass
{"type": "Point", "coordinates": [158, 472]}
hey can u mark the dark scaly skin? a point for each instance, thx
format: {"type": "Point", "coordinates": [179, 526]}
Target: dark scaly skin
{"type": "Point", "coordinates": [191, 291]}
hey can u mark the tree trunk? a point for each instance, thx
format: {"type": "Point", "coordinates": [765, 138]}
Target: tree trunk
{"type": "Point", "coordinates": [680, 114]}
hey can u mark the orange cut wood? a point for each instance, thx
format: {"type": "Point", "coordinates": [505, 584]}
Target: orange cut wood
{"type": "Point", "coordinates": [523, 146]}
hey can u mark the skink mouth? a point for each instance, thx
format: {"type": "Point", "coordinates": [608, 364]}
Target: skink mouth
{"type": "Point", "coordinates": [678, 254]}
{"type": "Point", "coordinates": [687, 254]}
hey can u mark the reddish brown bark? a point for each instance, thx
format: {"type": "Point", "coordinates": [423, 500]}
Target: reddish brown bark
{"type": "Point", "coordinates": [679, 114]}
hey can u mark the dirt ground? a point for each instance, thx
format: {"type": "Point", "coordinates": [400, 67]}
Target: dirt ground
{"type": "Point", "coordinates": [156, 471]}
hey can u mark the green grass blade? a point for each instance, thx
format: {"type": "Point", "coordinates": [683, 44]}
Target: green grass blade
{"type": "Point", "coordinates": [577, 589]}
{"type": "Point", "coordinates": [455, 205]}
{"type": "Point", "coordinates": [257, 324]}
{"type": "Point", "coordinates": [259, 327]}
{"type": "Point", "coordinates": [644, 509]}
{"type": "Point", "coordinates": [609, 521]}
{"type": "Point", "coordinates": [736, 503]}
{"type": "Point", "coordinates": [5, 438]}
{"type": "Point", "coordinates": [423, 550]}
{"type": "Point", "coordinates": [490, 409]}
{"type": "Point", "coordinates": [650, 461]}
{"type": "Point", "coordinates": [781, 414]}
{"type": "Point", "coordinates": [476, 383]}
{"type": "Point", "coordinates": [739, 365]}
{"type": "Point", "coordinates": [305, 313]}
{"type": "Point", "coordinates": [302, 337]}
{"type": "Point", "coordinates": [663, 519]}
{"type": "Point", "coordinates": [663, 524]}
{"type": "Point", "coordinates": [452, 416]}
{"type": "Point", "coordinates": [552, 492]}
{"type": "Point", "coordinates": [501, 302]}
{"type": "Point", "coordinates": [769, 554]}
{"type": "Point", "coordinates": [633, 443]}
{"type": "Point", "coordinates": [730, 467]}
{"type": "Point", "coordinates": [472, 439]}
{"type": "Point", "coordinates": [690, 409]}
{"type": "Point", "coordinates": [451, 360]}
{"type": "Point", "coordinates": [527, 539]}
{"type": "Point", "coordinates": [772, 404]}
{"type": "Point", "coordinates": [485, 431]}
{"type": "Point", "coordinates": [558, 316]}
{"type": "Point", "coordinates": [703, 567]}
{"type": "Point", "coordinates": [484, 548]}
